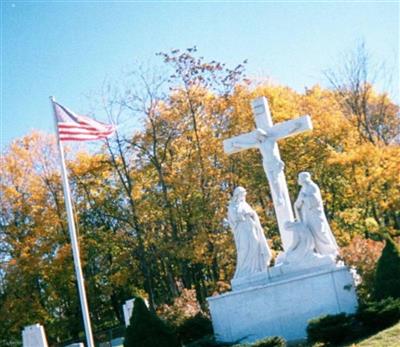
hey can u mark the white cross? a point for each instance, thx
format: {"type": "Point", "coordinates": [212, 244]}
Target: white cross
{"type": "Point", "coordinates": [265, 138]}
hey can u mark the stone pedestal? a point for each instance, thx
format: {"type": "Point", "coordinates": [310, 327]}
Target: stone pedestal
{"type": "Point", "coordinates": [280, 302]}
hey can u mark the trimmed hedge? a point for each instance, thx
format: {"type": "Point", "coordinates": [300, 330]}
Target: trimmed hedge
{"type": "Point", "coordinates": [147, 330]}
{"type": "Point", "coordinates": [379, 315]}
{"type": "Point", "coordinates": [370, 318]}
{"type": "Point", "coordinates": [331, 329]}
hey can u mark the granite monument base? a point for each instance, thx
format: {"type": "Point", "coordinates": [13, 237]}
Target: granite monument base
{"type": "Point", "coordinates": [281, 304]}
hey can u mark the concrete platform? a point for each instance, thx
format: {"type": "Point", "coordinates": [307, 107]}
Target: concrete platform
{"type": "Point", "coordinates": [280, 303]}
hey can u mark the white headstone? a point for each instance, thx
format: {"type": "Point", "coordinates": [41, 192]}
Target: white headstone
{"type": "Point", "coordinates": [128, 309]}
{"type": "Point", "coordinates": [34, 336]}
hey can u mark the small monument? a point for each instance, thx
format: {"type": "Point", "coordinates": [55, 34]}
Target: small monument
{"type": "Point", "coordinates": [128, 309]}
{"type": "Point", "coordinates": [34, 336]}
{"type": "Point", "coordinates": [306, 281]}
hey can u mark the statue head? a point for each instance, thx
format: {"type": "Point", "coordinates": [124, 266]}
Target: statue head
{"type": "Point", "coordinates": [304, 177]}
{"type": "Point", "coordinates": [239, 194]}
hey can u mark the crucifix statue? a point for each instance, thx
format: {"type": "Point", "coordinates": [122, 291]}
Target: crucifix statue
{"type": "Point", "coordinates": [265, 138]}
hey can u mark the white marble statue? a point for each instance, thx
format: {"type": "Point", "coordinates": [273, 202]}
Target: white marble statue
{"type": "Point", "coordinates": [265, 138]}
{"type": "Point", "coordinates": [253, 253]}
{"type": "Point", "coordinates": [303, 244]}
{"type": "Point", "coordinates": [309, 210]}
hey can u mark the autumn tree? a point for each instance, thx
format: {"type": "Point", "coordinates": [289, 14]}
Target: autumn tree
{"type": "Point", "coordinates": [150, 203]}
{"type": "Point", "coordinates": [375, 115]}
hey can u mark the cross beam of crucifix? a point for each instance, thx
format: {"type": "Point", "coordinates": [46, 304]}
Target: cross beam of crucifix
{"type": "Point", "coordinates": [265, 138]}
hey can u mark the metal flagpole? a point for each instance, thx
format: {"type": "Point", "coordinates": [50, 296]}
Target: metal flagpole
{"type": "Point", "coordinates": [74, 239]}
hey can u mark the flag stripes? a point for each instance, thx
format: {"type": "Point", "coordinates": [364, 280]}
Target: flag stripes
{"type": "Point", "coordinates": [73, 127]}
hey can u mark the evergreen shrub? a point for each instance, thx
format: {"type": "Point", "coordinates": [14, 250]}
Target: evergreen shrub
{"type": "Point", "coordinates": [147, 330]}
{"type": "Point", "coordinates": [379, 315]}
{"type": "Point", "coordinates": [273, 341]}
{"type": "Point", "coordinates": [332, 329]}
{"type": "Point", "coordinates": [387, 275]}
{"type": "Point", "coordinates": [194, 328]}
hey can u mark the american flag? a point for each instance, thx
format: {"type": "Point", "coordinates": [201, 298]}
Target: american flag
{"type": "Point", "coordinates": [73, 127]}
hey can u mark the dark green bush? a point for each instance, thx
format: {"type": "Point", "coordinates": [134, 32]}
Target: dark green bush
{"type": "Point", "coordinates": [332, 329]}
{"type": "Point", "coordinates": [387, 275]}
{"type": "Point", "coordinates": [194, 328]}
{"type": "Point", "coordinates": [147, 330]}
{"type": "Point", "coordinates": [379, 315]}
{"type": "Point", "coordinates": [273, 341]}
{"type": "Point", "coordinates": [370, 318]}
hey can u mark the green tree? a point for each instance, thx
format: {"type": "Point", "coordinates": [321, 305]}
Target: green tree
{"type": "Point", "coordinates": [387, 276]}
{"type": "Point", "coordinates": [147, 330]}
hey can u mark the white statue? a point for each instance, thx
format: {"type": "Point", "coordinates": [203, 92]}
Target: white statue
{"type": "Point", "coordinates": [265, 138]}
{"type": "Point", "coordinates": [253, 253]}
{"type": "Point", "coordinates": [303, 245]}
{"type": "Point", "coordinates": [310, 211]}
{"type": "Point", "coordinates": [272, 163]}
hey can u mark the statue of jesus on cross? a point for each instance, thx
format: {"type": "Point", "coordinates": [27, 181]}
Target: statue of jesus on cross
{"type": "Point", "coordinates": [265, 138]}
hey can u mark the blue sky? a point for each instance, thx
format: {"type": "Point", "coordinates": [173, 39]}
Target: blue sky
{"type": "Point", "coordinates": [67, 49]}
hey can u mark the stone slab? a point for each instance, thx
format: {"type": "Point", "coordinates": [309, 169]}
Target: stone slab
{"type": "Point", "coordinates": [34, 336]}
{"type": "Point", "coordinates": [128, 309]}
{"type": "Point", "coordinates": [282, 307]}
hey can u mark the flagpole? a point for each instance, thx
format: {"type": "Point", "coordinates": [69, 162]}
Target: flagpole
{"type": "Point", "coordinates": [74, 239]}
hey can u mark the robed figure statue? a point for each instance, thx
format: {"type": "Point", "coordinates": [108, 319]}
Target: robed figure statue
{"type": "Point", "coordinates": [310, 211]}
{"type": "Point", "coordinates": [253, 253]}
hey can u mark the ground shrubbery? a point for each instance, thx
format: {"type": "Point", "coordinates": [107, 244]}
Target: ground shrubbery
{"type": "Point", "coordinates": [370, 318]}
{"type": "Point", "coordinates": [379, 315]}
{"type": "Point", "coordinates": [194, 328]}
{"type": "Point", "coordinates": [331, 329]}
{"type": "Point", "coordinates": [147, 330]}
{"type": "Point", "coordinates": [274, 341]}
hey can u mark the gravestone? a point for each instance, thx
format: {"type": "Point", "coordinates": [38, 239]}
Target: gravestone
{"type": "Point", "coordinates": [34, 336]}
{"type": "Point", "coordinates": [128, 309]}
{"type": "Point", "coordinates": [306, 281]}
